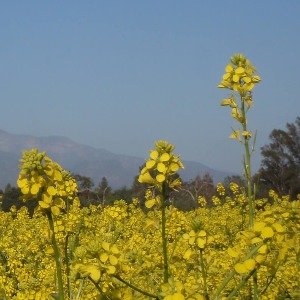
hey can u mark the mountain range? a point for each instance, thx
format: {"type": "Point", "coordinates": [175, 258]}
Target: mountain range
{"type": "Point", "coordinates": [95, 163]}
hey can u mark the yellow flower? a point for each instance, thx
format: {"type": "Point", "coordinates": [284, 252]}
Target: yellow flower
{"type": "Point", "coordinates": [229, 68]}
{"type": "Point", "coordinates": [146, 178]}
{"type": "Point", "coordinates": [240, 268]}
{"type": "Point", "coordinates": [267, 232]}
{"type": "Point", "coordinates": [236, 135]}
{"type": "Point", "coordinates": [41, 177]}
{"type": "Point", "coordinates": [161, 166]}
{"type": "Point", "coordinates": [246, 134]}
{"type": "Point", "coordinates": [239, 75]}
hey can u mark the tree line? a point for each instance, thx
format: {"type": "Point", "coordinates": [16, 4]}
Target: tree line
{"type": "Point", "coordinates": [280, 171]}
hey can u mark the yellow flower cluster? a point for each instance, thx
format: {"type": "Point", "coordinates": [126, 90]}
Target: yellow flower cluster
{"type": "Point", "coordinates": [239, 76]}
{"type": "Point", "coordinates": [175, 290]}
{"type": "Point", "coordinates": [43, 178]}
{"type": "Point", "coordinates": [161, 166]}
{"type": "Point", "coordinates": [105, 256]}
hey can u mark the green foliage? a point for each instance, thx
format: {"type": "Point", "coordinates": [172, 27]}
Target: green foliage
{"type": "Point", "coordinates": [281, 161]}
{"type": "Point", "coordinates": [189, 192]}
{"type": "Point", "coordinates": [103, 192]}
{"type": "Point", "coordinates": [11, 198]}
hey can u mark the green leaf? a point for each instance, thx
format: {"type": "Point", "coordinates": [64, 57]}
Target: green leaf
{"type": "Point", "coordinates": [54, 295]}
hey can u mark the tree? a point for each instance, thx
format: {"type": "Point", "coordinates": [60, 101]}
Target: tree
{"type": "Point", "coordinates": [138, 191]}
{"type": "Point", "coordinates": [187, 198]}
{"type": "Point", "coordinates": [235, 179]}
{"type": "Point", "coordinates": [11, 197]}
{"type": "Point", "coordinates": [103, 191]}
{"type": "Point", "coordinates": [84, 185]}
{"type": "Point", "coordinates": [83, 182]}
{"type": "Point", "coordinates": [280, 167]}
{"type": "Point", "coordinates": [122, 193]}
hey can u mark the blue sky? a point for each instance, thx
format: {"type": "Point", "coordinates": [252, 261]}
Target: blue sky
{"type": "Point", "coordinates": [120, 75]}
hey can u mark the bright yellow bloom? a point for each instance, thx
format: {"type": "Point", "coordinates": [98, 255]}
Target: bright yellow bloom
{"type": "Point", "coordinates": [40, 175]}
{"type": "Point", "coordinates": [236, 135]}
{"type": "Point", "coordinates": [239, 77]}
{"type": "Point", "coordinates": [161, 166]}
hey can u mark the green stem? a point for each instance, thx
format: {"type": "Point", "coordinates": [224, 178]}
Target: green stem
{"type": "Point", "coordinates": [163, 233]}
{"type": "Point", "coordinates": [105, 297]}
{"type": "Point", "coordinates": [233, 272]}
{"type": "Point", "coordinates": [79, 289]}
{"type": "Point", "coordinates": [255, 286]}
{"type": "Point", "coordinates": [135, 288]}
{"type": "Point", "coordinates": [61, 293]}
{"type": "Point", "coordinates": [241, 284]}
{"type": "Point", "coordinates": [247, 166]}
{"type": "Point", "coordinates": [270, 281]}
{"type": "Point", "coordinates": [68, 266]}
{"type": "Point", "coordinates": [204, 274]}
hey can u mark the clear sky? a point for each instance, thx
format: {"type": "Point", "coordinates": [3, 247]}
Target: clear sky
{"type": "Point", "coordinates": [120, 75]}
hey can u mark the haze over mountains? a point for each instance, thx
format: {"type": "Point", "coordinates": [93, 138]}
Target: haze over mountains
{"type": "Point", "coordinates": [119, 170]}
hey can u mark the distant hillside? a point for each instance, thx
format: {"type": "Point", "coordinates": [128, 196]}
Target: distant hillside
{"type": "Point", "coordinates": [119, 170]}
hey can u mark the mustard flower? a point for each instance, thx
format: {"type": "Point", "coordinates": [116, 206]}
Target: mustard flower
{"type": "Point", "coordinates": [240, 76]}
{"type": "Point", "coordinates": [161, 166]}
{"type": "Point", "coordinates": [41, 177]}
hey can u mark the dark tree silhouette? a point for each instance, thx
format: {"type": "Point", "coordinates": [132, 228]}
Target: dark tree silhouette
{"type": "Point", "coordinates": [280, 167]}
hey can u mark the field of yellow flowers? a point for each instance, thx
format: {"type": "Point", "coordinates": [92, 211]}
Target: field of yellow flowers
{"type": "Point", "coordinates": [241, 248]}
{"type": "Point", "coordinates": [121, 243]}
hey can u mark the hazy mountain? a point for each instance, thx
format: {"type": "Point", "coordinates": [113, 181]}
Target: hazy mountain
{"type": "Point", "coordinates": [119, 170]}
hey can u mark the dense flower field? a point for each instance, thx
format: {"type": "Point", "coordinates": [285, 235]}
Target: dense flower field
{"type": "Point", "coordinates": [241, 248]}
{"type": "Point", "coordinates": [121, 241]}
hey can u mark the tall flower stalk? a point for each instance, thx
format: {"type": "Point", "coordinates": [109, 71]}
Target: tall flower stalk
{"type": "Point", "coordinates": [60, 284]}
{"type": "Point", "coordinates": [163, 233]}
{"type": "Point", "coordinates": [45, 180]}
{"type": "Point", "coordinates": [159, 173]}
{"type": "Point", "coordinates": [240, 79]}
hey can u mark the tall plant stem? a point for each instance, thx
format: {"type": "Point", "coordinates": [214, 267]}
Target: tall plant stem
{"type": "Point", "coordinates": [228, 278]}
{"type": "Point", "coordinates": [135, 287]}
{"type": "Point", "coordinates": [239, 286]}
{"type": "Point", "coordinates": [103, 295]}
{"type": "Point", "coordinates": [163, 233]}
{"type": "Point", "coordinates": [247, 166]}
{"type": "Point", "coordinates": [204, 274]}
{"type": "Point", "coordinates": [61, 293]}
{"type": "Point", "coordinates": [68, 266]}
